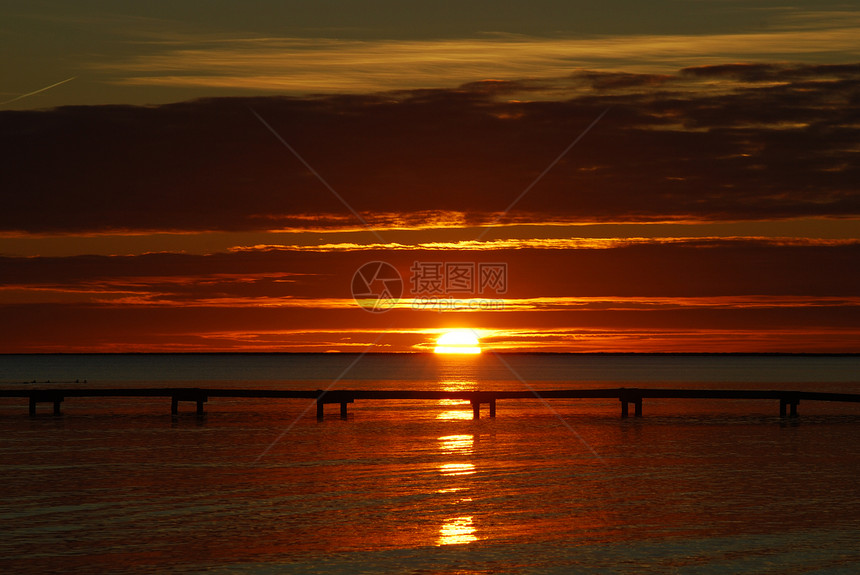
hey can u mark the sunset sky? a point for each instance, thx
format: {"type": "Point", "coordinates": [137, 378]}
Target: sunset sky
{"type": "Point", "coordinates": [665, 176]}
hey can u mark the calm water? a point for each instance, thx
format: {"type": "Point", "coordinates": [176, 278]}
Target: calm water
{"type": "Point", "coordinates": [259, 486]}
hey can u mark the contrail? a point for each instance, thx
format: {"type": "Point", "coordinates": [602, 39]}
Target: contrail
{"type": "Point", "coordinates": [22, 96]}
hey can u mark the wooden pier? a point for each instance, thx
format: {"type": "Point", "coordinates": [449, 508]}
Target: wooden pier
{"type": "Point", "coordinates": [788, 400]}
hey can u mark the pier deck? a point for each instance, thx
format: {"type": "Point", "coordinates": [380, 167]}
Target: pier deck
{"type": "Point", "coordinates": [788, 400]}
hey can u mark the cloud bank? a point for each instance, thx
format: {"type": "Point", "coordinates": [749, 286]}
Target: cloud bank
{"type": "Point", "coordinates": [728, 142]}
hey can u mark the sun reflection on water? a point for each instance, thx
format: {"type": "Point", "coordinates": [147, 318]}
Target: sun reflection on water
{"type": "Point", "coordinates": [450, 469]}
{"type": "Point", "coordinates": [457, 444]}
{"type": "Point", "coordinates": [457, 530]}
{"type": "Point", "coordinates": [452, 490]}
{"type": "Point", "coordinates": [458, 384]}
{"type": "Point", "coordinates": [464, 412]}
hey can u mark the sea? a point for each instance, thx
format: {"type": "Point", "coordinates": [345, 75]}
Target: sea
{"type": "Point", "coordinates": [260, 486]}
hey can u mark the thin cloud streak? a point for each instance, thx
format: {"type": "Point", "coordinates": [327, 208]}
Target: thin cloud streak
{"type": "Point", "coordinates": [565, 340]}
{"type": "Point", "coordinates": [193, 292]}
{"type": "Point", "coordinates": [542, 243]}
{"type": "Point", "coordinates": [437, 233]}
{"type": "Point", "coordinates": [320, 65]}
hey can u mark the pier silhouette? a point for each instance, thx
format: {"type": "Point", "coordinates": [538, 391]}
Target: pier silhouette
{"type": "Point", "coordinates": [788, 400]}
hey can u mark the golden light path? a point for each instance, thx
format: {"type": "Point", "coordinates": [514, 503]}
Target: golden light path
{"type": "Point", "coordinates": [457, 530]}
{"type": "Point", "coordinates": [463, 341]}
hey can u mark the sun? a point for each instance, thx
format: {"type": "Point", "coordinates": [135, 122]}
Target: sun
{"type": "Point", "coordinates": [458, 341]}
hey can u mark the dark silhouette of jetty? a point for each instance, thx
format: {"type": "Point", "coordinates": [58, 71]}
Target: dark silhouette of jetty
{"type": "Point", "coordinates": [788, 400]}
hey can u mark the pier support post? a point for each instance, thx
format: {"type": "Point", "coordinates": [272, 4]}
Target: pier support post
{"type": "Point", "coordinates": [198, 397]}
{"type": "Point", "coordinates": [493, 408]}
{"type": "Point", "coordinates": [637, 407]}
{"type": "Point", "coordinates": [791, 403]}
{"type": "Point", "coordinates": [476, 409]}
{"type": "Point", "coordinates": [332, 397]}
{"type": "Point", "coordinates": [628, 396]}
{"type": "Point", "coordinates": [37, 398]}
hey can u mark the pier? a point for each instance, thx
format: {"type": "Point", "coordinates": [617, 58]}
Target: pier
{"type": "Point", "coordinates": [788, 400]}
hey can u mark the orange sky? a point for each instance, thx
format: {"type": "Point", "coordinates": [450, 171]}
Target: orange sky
{"type": "Point", "coordinates": [685, 295]}
{"type": "Point", "coordinates": [652, 190]}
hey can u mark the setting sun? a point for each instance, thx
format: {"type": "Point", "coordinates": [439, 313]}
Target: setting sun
{"type": "Point", "coordinates": [458, 341]}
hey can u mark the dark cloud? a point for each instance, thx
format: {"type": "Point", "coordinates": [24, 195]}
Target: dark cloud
{"type": "Point", "coordinates": [745, 72]}
{"type": "Point", "coordinates": [778, 141]}
{"type": "Point", "coordinates": [616, 80]}
{"type": "Point", "coordinates": [767, 72]}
